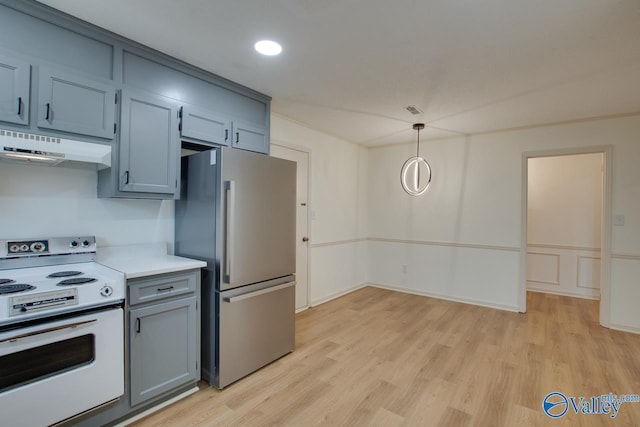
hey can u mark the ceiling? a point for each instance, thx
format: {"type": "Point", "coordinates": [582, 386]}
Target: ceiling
{"type": "Point", "coordinates": [350, 67]}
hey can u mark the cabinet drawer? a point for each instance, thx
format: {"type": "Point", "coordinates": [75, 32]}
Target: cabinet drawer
{"type": "Point", "coordinates": [165, 286]}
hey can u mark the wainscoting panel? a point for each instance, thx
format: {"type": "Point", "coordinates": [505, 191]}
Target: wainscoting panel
{"type": "Point", "coordinates": [564, 270]}
{"type": "Point", "coordinates": [543, 268]}
{"type": "Point", "coordinates": [588, 272]}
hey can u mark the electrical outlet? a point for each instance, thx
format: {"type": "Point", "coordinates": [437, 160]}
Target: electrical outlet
{"type": "Point", "coordinates": [404, 268]}
{"type": "Point", "coordinates": [618, 220]}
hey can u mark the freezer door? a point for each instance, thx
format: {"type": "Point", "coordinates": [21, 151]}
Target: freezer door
{"type": "Point", "coordinates": [259, 220]}
{"type": "Point", "coordinates": [256, 327]}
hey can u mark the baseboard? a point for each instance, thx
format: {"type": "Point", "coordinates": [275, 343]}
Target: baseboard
{"type": "Point", "coordinates": [481, 303]}
{"type": "Point", "coordinates": [158, 407]}
{"type": "Point", "coordinates": [336, 295]}
{"type": "Point", "coordinates": [630, 329]}
{"type": "Point", "coordinates": [563, 294]}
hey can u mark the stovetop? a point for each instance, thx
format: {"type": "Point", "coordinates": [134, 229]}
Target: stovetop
{"type": "Point", "coordinates": [34, 292]}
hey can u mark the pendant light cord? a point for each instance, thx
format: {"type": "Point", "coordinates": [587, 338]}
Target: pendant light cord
{"type": "Point", "coordinates": [418, 156]}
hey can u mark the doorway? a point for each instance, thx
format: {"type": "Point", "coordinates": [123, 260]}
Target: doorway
{"type": "Point", "coordinates": [566, 205]}
{"type": "Point", "coordinates": [301, 157]}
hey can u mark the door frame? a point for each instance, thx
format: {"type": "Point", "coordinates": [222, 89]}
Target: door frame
{"type": "Point", "coordinates": [605, 225]}
{"type": "Point", "coordinates": [308, 151]}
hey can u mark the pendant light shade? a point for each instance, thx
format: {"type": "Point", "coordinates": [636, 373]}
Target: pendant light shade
{"type": "Point", "coordinates": [415, 175]}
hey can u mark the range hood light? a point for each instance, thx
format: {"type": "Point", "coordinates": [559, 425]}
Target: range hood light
{"type": "Point", "coordinates": [31, 157]}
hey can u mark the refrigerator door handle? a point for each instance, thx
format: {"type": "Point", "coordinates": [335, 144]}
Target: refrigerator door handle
{"type": "Point", "coordinates": [230, 194]}
{"type": "Point", "coordinates": [258, 293]}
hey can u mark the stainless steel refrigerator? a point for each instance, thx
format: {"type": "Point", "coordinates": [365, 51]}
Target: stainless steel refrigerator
{"type": "Point", "coordinates": [237, 212]}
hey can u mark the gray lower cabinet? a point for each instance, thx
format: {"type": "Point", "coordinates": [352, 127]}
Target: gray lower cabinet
{"type": "Point", "coordinates": [163, 348]}
{"type": "Point", "coordinates": [164, 334]}
{"type": "Point", "coordinates": [75, 104]}
{"type": "Point", "coordinates": [14, 90]}
{"type": "Point", "coordinates": [248, 136]}
{"type": "Point", "coordinates": [149, 145]}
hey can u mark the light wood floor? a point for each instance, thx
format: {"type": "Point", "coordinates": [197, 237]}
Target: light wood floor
{"type": "Point", "coordinates": [382, 358]}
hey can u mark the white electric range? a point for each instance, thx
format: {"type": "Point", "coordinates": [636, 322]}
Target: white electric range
{"type": "Point", "coordinates": [61, 330]}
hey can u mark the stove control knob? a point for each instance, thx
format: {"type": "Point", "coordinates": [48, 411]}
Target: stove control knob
{"type": "Point", "coordinates": [37, 247]}
{"type": "Point", "coordinates": [85, 244]}
{"type": "Point", "coordinates": [24, 247]}
{"type": "Point", "coordinates": [14, 248]}
{"type": "Point", "coordinates": [106, 291]}
{"type": "Point", "coordinates": [73, 244]}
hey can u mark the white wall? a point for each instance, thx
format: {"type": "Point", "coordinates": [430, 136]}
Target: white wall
{"type": "Point", "coordinates": [563, 224]}
{"type": "Point", "coordinates": [43, 201]}
{"type": "Point", "coordinates": [565, 200]}
{"type": "Point", "coordinates": [337, 203]}
{"type": "Point", "coordinates": [474, 206]}
{"type": "Point", "coordinates": [459, 240]}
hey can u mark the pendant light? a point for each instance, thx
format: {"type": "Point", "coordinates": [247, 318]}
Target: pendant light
{"type": "Point", "coordinates": [415, 175]}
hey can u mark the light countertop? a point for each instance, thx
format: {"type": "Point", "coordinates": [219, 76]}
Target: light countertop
{"type": "Point", "coordinates": [144, 260]}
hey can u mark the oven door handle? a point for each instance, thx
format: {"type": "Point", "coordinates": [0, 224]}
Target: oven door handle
{"type": "Point", "coordinates": [47, 330]}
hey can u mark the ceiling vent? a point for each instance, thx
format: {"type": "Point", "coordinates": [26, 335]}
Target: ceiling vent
{"type": "Point", "coordinates": [413, 110]}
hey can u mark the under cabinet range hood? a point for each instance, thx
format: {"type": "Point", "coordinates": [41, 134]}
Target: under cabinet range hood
{"type": "Point", "coordinates": [47, 150]}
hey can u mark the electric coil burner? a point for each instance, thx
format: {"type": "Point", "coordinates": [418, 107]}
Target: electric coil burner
{"type": "Point", "coordinates": [15, 288]}
{"type": "Point", "coordinates": [77, 281]}
{"type": "Point", "coordinates": [58, 274]}
{"type": "Point", "coordinates": [61, 329]}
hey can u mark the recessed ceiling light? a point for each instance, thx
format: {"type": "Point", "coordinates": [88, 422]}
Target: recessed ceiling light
{"type": "Point", "coordinates": [268, 47]}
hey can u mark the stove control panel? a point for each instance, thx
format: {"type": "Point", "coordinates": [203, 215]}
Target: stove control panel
{"type": "Point", "coordinates": [52, 246]}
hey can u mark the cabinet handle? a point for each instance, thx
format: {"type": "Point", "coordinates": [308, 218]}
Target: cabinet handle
{"type": "Point", "coordinates": [168, 288]}
{"type": "Point", "coordinates": [19, 105]}
{"type": "Point", "coordinates": [137, 325]}
{"type": "Point", "coordinates": [126, 179]}
{"type": "Point", "coordinates": [226, 134]}
{"type": "Point", "coordinates": [48, 111]}
{"type": "Point", "coordinates": [237, 137]}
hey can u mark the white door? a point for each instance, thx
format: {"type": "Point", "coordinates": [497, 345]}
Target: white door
{"type": "Point", "coordinates": [302, 200]}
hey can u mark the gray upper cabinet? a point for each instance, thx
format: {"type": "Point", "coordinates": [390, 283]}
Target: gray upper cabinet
{"type": "Point", "coordinates": [204, 126]}
{"type": "Point", "coordinates": [163, 346]}
{"type": "Point", "coordinates": [70, 103]}
{"type": "Point", "coordinates": [248, 136]}
{"type": "Point", "coordinates": [149, 144]}
{"type": "Point", "coordinates": [14, 90]}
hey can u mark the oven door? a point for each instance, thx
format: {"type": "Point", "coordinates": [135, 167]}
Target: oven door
{"type": "Point", "coordinates": [58, 369]}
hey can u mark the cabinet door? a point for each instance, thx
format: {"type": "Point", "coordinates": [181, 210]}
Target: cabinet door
{"type": "Point", "coordinates": [163, 348]}
{"type": "Point", "coordinates": [14, 90]}
{"type": "Point", "coordinates": [205, 125]}
{"type": "Point", "coordinates": [250, 137]}
{"type": "Point", "coordinates": [149, 144]}
{"type": "Point", "coordinates": [75, 104]}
